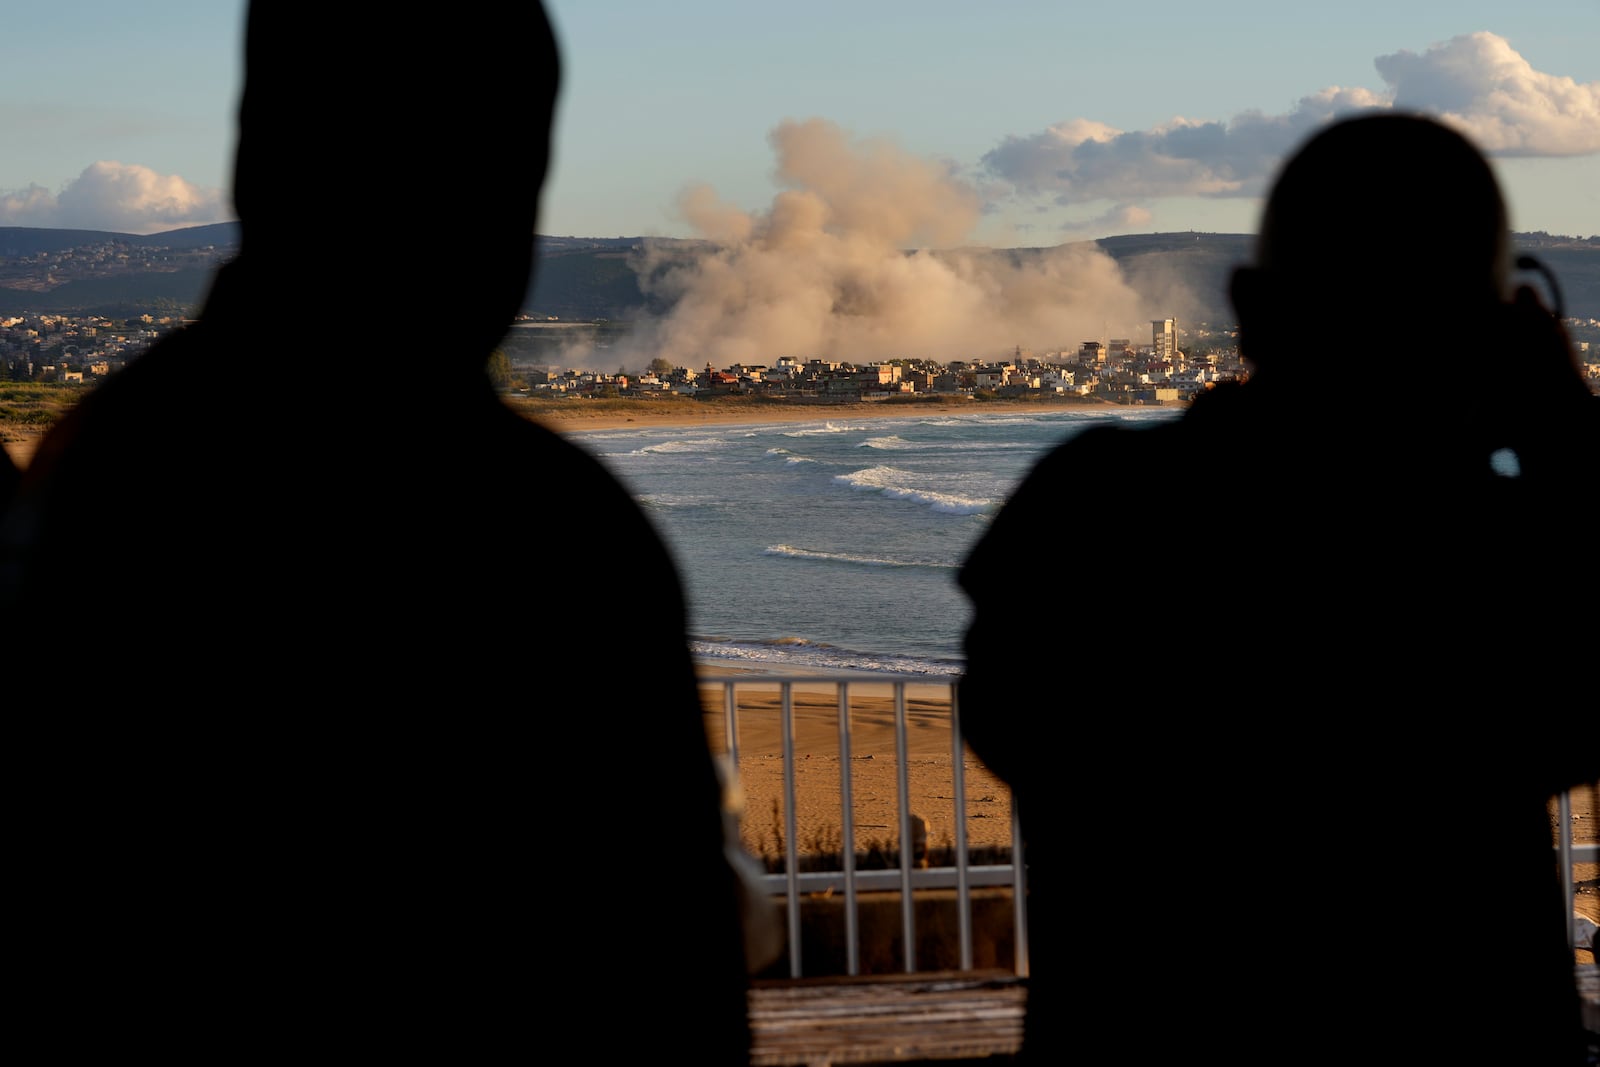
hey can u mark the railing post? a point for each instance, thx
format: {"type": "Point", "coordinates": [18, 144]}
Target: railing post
{"type": "Point", "coordinates": [958, 774]}
{"type": "Point", "coordinates": [730, 723]}
{"type": "Point", "coordinates": [852, 933]}
{"type": "Point", "coordinates": [1019, 890]}
{"type": "Point", "coordinates": [908, 922]}
{"type": "Point", "coordinates": [794, 882]}
{"type": "Point", "coordinates": [1564, 850]}
{"type": "Point", "coordinates": [791, 824]}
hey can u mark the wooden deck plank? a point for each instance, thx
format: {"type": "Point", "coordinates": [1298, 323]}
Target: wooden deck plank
{"type": "Point", "coordinates": [931, 1017]}
{"type": "Point", "coordinates": [886, 1019]}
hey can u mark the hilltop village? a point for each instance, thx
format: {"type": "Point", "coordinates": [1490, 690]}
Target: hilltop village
{"type": "Point", "coordinates": [40, 270]}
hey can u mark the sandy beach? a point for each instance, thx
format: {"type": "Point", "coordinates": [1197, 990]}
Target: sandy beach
{"type": "Point", "coordinates": [582, 416]}
{"type": "Point", "coordinates": [874, 768]}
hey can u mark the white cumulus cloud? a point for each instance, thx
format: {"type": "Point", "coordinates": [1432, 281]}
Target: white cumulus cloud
{"type": "Point", "coordinates": [119, 197]}
{"type": "Point", "coordinates": [1476, 82]}
{"type": "Point", "coordinates": [1481, 85]}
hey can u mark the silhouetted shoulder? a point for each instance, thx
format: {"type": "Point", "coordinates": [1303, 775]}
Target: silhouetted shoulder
{"type": "Point", "coordinates": [83, 494]}
{"type": "Point", "coordinates": [10, 475]}
{"type": "Point", "coordinates": [1087, 481]}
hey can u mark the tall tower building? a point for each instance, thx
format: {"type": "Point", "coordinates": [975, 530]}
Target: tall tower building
{"type": "Point", "coordinates": [1164, 337]}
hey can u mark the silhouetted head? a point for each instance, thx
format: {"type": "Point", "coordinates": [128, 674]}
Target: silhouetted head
{"type": "Point", "coordinates": [397, 157]}
{"type": "Point", "coordinates": [1382, 226]}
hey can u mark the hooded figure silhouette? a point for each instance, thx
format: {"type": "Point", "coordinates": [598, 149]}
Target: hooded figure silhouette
{"type": "Point", "coordinates": [1321, 698]}
{"type": "Point", "coordinates": [331, 629]}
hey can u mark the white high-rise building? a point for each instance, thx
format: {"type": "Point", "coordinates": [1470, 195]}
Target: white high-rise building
{"type": "Point", "coordinates": [1164, 338]}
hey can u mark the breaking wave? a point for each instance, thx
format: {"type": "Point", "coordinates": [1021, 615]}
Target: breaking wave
{"type": "Point", "coordinates": [826, 427]}
{"type": "Point", "coordinates": [850, 557]}
{"type": "Point", "coordinates": [680, 446]}
{"type": "Point", "coordinates": [892, 482]}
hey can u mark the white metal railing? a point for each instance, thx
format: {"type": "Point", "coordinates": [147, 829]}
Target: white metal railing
{"type": "Point", "coordinates": [1571, 853]}
{"type": "Point", "coordinates": [962, 876]}
{"type": "Point", "coordinates": [793, 883]}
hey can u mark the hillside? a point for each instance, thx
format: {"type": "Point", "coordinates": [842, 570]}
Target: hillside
{"type": "Point", "coordinates": [591, 279]}
{"type": "Point", "coordinates": [583, 278]}
{"type": "Point", "coordinates": [588, 279]}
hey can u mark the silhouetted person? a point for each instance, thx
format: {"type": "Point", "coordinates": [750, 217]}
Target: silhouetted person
{"type": "Point", "coordinates": [1283, 686]}
{"type": "Point", "coordinates": [358, 712]}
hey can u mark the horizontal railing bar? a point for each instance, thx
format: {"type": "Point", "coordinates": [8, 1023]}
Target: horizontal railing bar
{"type": "Point", "coordinates": [877, 881]}
{"type": "Point", "coordinates": [946, 877]}
{"type": "Point", "coordinates": [772, 681]}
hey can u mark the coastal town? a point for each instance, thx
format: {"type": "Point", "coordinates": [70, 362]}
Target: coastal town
{"type": "Point", "coordinates": [84, 350]}
{"type": "Point", "coordinates": [154, 282]}
{"type": "Point", "coordinates": [1168, 367]}
{"type": "Point", "coordinates": [1152, 372]}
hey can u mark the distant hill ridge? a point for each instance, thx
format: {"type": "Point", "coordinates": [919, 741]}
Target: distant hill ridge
{"type": "Point", "coordinates": [588, 278]}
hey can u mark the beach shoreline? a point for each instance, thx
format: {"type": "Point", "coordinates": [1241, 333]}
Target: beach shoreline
{"type": "Point", "coordinates": [575, 415]}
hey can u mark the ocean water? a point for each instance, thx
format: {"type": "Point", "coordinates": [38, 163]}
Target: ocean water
{"type": "Point", "coordinates": [833, 545]}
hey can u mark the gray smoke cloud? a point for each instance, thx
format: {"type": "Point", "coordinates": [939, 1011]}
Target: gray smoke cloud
{"type": "Point", "coordinates": [118, 197]}
{"type": "Point", "coordinates": [858, 258]}
{"type": "Point", "coordinates": [1476, 82]}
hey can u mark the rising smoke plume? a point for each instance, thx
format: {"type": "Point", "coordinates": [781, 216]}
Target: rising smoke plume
{"type": "Point", "coordinates": [858, 259]}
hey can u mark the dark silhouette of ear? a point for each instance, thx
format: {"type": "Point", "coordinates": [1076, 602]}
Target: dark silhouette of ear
{"type": "Point", "coordinates": [1534, 265]}
{"type": "Point", "coordinates": [1243, 286]}
{"type": "Point", "coordinates": [1257, 311]}
{"type": "Point", "coordinates": [1547, 362]}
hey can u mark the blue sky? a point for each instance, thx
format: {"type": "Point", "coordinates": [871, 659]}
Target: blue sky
{"type": "Point", "coordinates": [1009, 124]}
